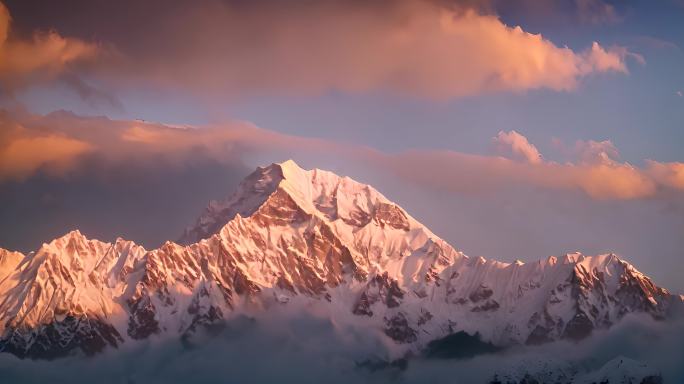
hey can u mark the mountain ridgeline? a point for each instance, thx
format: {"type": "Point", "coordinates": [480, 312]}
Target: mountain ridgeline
{"type": "Point", "coordinates": [289, 236]}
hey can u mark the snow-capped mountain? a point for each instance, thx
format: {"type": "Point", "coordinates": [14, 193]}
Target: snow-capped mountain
{"type": "Point", "coordinates": [290, 236]}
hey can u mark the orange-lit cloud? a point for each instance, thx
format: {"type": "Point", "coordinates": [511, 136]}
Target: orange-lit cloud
{"type": "Point", "coordinates": [43, 57]}
{"type": "Point", "coordinates": [416, 48]}
{"type": "Point", "coordinates": [669, 174]}
{"type": "Point", "coordinates": [465, 173]}
{"type": "Point", "coordinates": [59, 141]}
{"type": "Point", "coordinates": [24, 152]}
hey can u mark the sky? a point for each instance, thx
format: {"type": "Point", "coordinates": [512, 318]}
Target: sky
{"type": "Point", "coordinates": [512, 129]}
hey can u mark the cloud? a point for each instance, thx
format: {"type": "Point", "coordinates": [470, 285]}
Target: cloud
{"type": "Point", "coordinates": [43, 57]}
{"type": "Point", "coordinates": [515, 144]}
{"type": "Point", "coordinates": [24, 156]}
{"type": "Point", "coordinates": [23, 152]}
{"type": "Point", "coordinates": [309, 348]}
{"type": "Point", "coordinates": [60, 138]}
{"type": "Point", "coordinates": [414, 48]}
{"type": "Point", "coordinates": [595, 152]}
{"type": "Point", "coordinates": [598, 59]}
{"type": "Point", "coordinates": [465, 173]}
{"type": "Point", "coordinates": [594, 170]}
{"type": "Point", "coordinates": [670, 174]}
{"type": "Point", "coordinates": [62, 142]}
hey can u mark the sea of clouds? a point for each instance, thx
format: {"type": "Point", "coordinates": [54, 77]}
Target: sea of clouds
{"type": "Point", "coordinates": [297, 347]}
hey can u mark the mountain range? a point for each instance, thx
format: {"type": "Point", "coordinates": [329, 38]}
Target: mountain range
{"type": "Point", "coordinates": [290, 236]}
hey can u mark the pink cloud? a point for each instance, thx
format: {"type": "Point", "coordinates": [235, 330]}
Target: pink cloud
{"type": "Point", "coordinates": [598, 59]}
{"type": "Point", "coordinates": [596, 152]}
{"type": "Point", "coordinates": [463, 173]}
{"type": "Point", "coordinates": [669, 174]}
{"type": "Point", "coordinates": [24, 152]}
{"type": "Point", "coordinates": [62, 141]}
{"type": "Point", "coordinates": [516, 145]}
{"type": "Point", "coordinates": [416, 48]}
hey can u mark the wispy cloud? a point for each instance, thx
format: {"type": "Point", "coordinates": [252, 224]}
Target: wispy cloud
{"type": "Point", "coordinates": [514, 144]}
{"type": "Point", "coordinates": [597, 12]}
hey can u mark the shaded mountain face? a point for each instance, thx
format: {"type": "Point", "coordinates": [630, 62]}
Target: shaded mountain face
{"type": "Point", "coordinates": [294, 236]}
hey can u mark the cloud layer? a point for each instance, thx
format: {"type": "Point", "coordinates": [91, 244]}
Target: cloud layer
{"type": "Point", "coordinates": [408, 47]}
{"type": "Point", "coordinates": [23, 152]}
{"type": "Point", "coordinates": [45, 56]}
{"type": "Point", "coordinates": [416, 48]}
{"type": "Point", "coordinates": [54, 144]}
{"type": "Point", "coordinates": [307, 348]}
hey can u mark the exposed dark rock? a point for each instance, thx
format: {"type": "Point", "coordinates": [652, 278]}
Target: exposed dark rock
{"type": "Point", "coordinates": [489, 305]}
{"type": "Point", "coordinates": [281, 210]}
{"type": "Point", "coordinates": [539, 335]}
{"type": "Point", "coordinates": [58, 339]}
{"type": "Point", "coordinates": [142, 321]}
{"type": "Point", "coordinates": [211, 319]}
{"type": "Point", "coordinates": [357, 218]}
{"type": "Point", "coordinates": [432, 275]}
{"type": "Point", "coordinates": [653, 379]}
{"type": "Point", "coordinates": [425, 316]}
{"type": "Point", "coordinates": [362, 306]}
{"type": "Point", "coordinates": [481, 293]}
{"type": "Point", "coordinates": [242, 284]}
{"type": "Point", "coordinates": [398, 329]}
{"type": "Point", "coordinates": [390, 214]}
{"type": "Point", "coordinates": [579, 327]}
{"type": "Point", "coordinates": [459, 345]}
{"type": "Point", "coordinates": [382, 289]}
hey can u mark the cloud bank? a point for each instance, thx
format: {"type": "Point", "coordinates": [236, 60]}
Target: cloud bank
{"type": "Point", "coordinates": [54, 143]}
{"type": "Point", "coordinates": [415, 48]}
{"type": "Point", "coordinates": [426, 49]}
{"type": "Point", "coordinates": [307, 348]}
{"type": "Point", "coordinates": [43, 57]}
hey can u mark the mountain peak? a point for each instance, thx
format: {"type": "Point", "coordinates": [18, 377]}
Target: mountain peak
{"type": "Point", "coordinates": [276, 172]}
{"type": "Point", "coordinates": [250, 195]}
{"type": "Point", "coordinates": [289, 165]}
{"type": "Point", "coordinates": [314, 191]}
